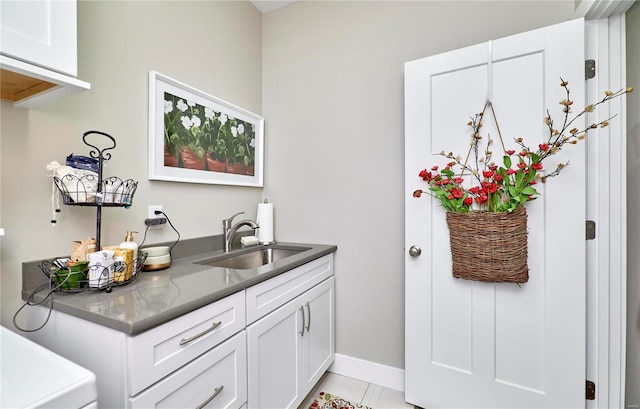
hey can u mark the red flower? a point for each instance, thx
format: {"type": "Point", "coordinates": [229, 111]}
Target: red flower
{"type": "Point", "coordinates": [493, 187]}
{"type": "Point", "coordinates": [510, 171]}
{"type": "Point", "coordinates": [510, 152]}
{"type": "Point", "coordinates": [482, 199]}
{"type": "Point", "coordinates": [522, 165]}
{"type": "Point", "coordinates": [474, 190]}
{"type": "Point", "coordinates": [543, 147]}
{"type": "Point", "coordinates": [422, 173]}
{"type": "Point", "coordinates": [537, 166]}
{"type": "Point", "coordinates": [434, 168]}
{"type": "Point", "coordinates": [458, 180]}
{"type": "Point", "coordinates": [457, 193]}
{"type": "Point", "coordinates": [493, 168]}
{"type": "Point", "coordinates": [450, 164]}
{"type": "Point", "coordinates": [468, 201]}
{"type": "Point", "coordinates": [417, 193]}
{"type": "Point", "coordinates": [498, 178]}
{"type": "Point", "coordinates": [487, 173]}
{"type": "Point", "coordinates": [446, 181]}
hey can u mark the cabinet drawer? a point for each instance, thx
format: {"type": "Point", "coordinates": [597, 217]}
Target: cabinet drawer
{"type": "Point", "coordinates": [265, 297]}
{"type": "Point", "coordinates": [158, 352]}
{"type": "Point", "coordinates": [218, 378]}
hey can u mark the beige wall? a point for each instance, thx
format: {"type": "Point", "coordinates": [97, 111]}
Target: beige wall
{"type": "Point", "coordinates": [633, 199]}
{"type": "Point", "coordinates": [333, 99]}
{"type": "Point", "coordinates": [214, 46]}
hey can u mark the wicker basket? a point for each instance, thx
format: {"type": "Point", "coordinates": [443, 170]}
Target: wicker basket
{"type": "Point", "coordinates": [489, 247]}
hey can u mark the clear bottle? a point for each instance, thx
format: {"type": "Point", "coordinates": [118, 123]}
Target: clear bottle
{"type": "Point", "coordinates": [128, 243]}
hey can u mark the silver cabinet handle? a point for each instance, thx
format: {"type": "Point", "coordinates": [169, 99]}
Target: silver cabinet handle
{"type": "Point", "coordinates": [213, 326]}
{"type": "Point", "coordinates": [303, 321]}
{"type": "Point", "coordinates": [216, 391]}
{"type": "Point", "coordinates": [415, 251]}
{"type": "Point", "coordinates": [309, 320]}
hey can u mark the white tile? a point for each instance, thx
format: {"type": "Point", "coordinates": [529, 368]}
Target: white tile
{"type": "Point", "coordinates": [379, 397]}
{"type": "Point", "coordinates": [357, 391]}
{"type": "Point", "coordinates": [342, 386]}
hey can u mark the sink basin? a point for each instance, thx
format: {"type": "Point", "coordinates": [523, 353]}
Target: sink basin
{"type": "Point", "coordinates": [253, 258]}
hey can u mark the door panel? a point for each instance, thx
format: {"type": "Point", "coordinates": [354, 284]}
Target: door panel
{"type": "Point", "coordinates": [318, 340]}
{"type": "Point", "coordinates": [471, 344]}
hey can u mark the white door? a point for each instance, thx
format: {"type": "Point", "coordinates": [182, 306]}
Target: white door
{"type": "Point", "coordinates": [471, 344]}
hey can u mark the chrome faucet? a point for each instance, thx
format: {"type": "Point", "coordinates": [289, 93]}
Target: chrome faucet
{"type": "Point", "coordinates": [230, 229]}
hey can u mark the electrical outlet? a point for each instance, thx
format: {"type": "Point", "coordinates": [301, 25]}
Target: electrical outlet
{"type": "Point", "coordinates": [152, 215]}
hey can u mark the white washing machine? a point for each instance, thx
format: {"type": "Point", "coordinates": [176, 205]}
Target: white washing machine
{"type": "Point", "coordinates": [32, 376]}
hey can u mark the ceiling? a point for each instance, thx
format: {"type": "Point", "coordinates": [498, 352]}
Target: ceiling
{"type": "Point", "coordinates": [266, 6]}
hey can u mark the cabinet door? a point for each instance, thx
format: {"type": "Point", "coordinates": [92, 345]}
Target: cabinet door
{"type": "Point", "coordinates": [318, 340]}
{"type": "Point", "coordinates": [42, 32]}
{"type": "Point", "coordinates": [273, 346]}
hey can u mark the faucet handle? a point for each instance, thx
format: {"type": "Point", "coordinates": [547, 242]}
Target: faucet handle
{"type": "Point", "coordinates": [227, 222]}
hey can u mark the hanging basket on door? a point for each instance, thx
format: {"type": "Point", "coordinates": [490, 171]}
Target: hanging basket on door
{"type": "Point", "coordinates": [489, 246]}
{"type": "Point", "coordinates": [487, 221]}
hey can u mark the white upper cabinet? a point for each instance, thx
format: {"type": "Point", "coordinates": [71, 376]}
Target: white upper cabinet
{"type": "Point", "coordinates": [38, 51]}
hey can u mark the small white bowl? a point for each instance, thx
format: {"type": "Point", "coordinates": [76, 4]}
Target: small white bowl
{"type": "Point", "coordinates": [155, 251]}
{"type": "Point", "coordinates": [155, 260]}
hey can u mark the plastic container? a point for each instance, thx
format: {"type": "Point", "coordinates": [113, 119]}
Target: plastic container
{"type": "Point", "coordinates": [72, 276]}
{"type": "Point", "coordinates": [128, 243]}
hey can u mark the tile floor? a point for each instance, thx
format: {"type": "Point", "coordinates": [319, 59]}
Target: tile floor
{"type": "Point", "coordinates": [357, 391]}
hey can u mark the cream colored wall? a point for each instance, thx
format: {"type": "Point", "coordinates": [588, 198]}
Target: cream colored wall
{"type": "Point", "coordinates": [214, 46]}
{"type": "Point", "coordinates": [633, 199]}
{"type": "Point", "coordinates": [333, 96]}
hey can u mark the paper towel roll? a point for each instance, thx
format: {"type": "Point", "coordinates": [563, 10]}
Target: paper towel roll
{"type": "Point", "coordinates": [265, 221]}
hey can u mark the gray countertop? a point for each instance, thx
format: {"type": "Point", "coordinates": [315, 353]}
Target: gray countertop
{"type": "Point", "coordinates": [156, 297]}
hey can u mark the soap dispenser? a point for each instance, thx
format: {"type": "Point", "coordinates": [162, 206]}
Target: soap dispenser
{"type": "Point", "coordinates": [128, 243]}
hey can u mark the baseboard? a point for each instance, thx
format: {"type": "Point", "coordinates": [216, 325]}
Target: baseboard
{"type": "Point", "coordinates": [368, 371]}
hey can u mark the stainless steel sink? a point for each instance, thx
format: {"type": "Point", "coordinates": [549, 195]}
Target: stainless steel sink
{"type": "Point", "coordinates": [253, 258]}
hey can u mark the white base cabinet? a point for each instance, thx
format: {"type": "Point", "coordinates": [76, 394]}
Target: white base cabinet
{"type": "Point", "coordinates": [290, 348]}
{"type": "Point", "coordinates": [262, 347]}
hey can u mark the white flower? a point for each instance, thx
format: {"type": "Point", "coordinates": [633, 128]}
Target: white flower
{"type": "Point", "coordinates": [195, 121]}
{"type": "Point", "coordinates": [240, 128]}
{"type": "Point", "coordinates": [209, 113]}
{"type": "Point", "coordinates": [186, 122]}
{"type": "Point", "coordinates": [181, 105]}
{"type": "Point", "coordinates": [223, 118]}
{"type": "Point", "coordinates": [168, 106]}
{"type": "Point", "coordinates": [253, 142]}
{"type": "Point", "coordinates": [191, 103]}
{"type": "Point", "coordinates": [234, 131]}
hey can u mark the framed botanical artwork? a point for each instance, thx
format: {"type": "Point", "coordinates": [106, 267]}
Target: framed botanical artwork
{"type": "Point", "coordinates": [197, 138]}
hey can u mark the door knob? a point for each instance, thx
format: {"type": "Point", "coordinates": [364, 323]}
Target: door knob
{"type": "Point", "coordinates": [415, 251]}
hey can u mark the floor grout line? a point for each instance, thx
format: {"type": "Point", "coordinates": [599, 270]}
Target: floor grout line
{"type": "Point", "coordinates": [365, 393]}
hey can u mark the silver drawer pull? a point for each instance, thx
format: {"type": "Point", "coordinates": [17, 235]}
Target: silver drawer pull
{"type": "Point", "coordinates": [303, 320]}
{"type": "Point", "coordinates": [213, 326]}
{"type": "Point", "coordinates": [309, 317]}
{"type": "Point", "coordinates": [216, 391]}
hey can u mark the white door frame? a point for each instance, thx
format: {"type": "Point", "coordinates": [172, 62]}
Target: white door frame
{"type": "Point", "coordinates": [606, 205]}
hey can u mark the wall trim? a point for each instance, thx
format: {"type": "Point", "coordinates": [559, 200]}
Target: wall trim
{"type": "Point", "coordinates": [368, 371]}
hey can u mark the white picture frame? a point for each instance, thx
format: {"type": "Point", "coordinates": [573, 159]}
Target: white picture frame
{"type": "Point", "coordinates": [195, 137]}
